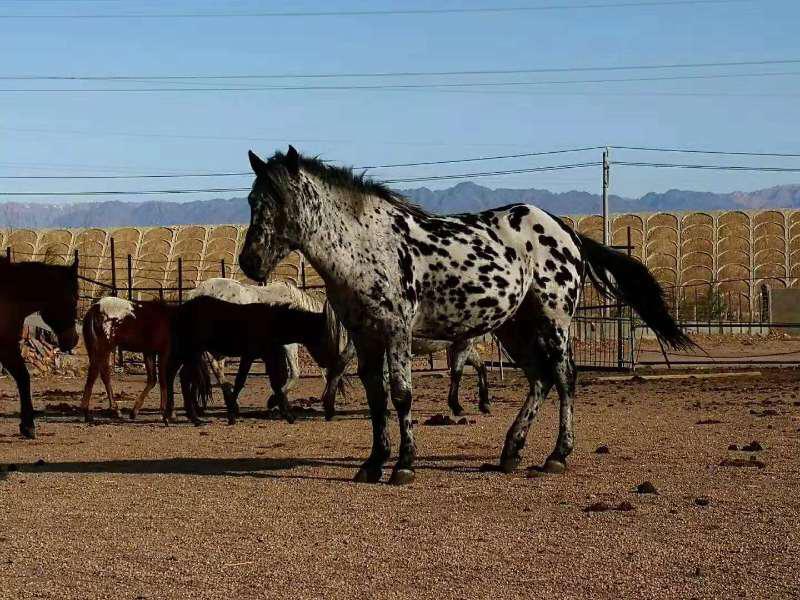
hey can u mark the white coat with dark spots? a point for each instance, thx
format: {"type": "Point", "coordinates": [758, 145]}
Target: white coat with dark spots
{"type": "Point", "coordinates": [394, 271]}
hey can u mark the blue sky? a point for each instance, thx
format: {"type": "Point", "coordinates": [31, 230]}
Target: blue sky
{"type": "Point", "coordinates": [81, 133]}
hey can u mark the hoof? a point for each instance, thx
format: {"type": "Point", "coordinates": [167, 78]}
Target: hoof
{"type": "Point", "coordinates": [457, 410]}
{"type": "Point", "coordinates": [489, 468]}
{"type": "Point", "coordinates": [198, 422]}
{"type": "Point", "coordinates": [272, 402]}
{"type": "Point", "coordinates": [88, 418]}
{"type": "Point", "coordinates": [509, 465]}
{"type": "Point", "coordinates": [231, 419]}
{"type": "Point", "coordinates": [368, 475]}
{"type": "Point", "coordinates": [116, 414]}
{"type": "Point", "coordinates": [402, 477]}
{"type": "Point", "coordinates": [289, 418]}
{"type": "Point", "coordinates": [553, 466]}
{"type": "Point", "coordinates": [28, 431]}
{"type": "Point", "coordinates": [485, 409]}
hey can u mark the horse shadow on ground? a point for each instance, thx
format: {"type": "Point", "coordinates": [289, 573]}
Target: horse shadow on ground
{"type": "Point", "coordinates": [257, 467]}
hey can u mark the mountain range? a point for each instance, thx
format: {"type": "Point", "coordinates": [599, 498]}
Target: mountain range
{"type": "Point", "coordinates": [464, 197]}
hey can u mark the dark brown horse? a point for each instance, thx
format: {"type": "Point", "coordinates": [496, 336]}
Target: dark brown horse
{"type": "Point", "coordinates": [26, 288]}
{"type": "Point", "coordinates": [133, 326]}
{"type": "Point", "coordinates": [249, 331]}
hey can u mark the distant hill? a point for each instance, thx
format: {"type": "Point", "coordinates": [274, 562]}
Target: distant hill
{"type": "Point", "coordinates": [464, 197]}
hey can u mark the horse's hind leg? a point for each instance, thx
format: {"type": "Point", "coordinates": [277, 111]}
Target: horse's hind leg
{"type": "Point", "coordinates": [522, 340]}
{"type": "Point", "coordinates": [150, 369]}
{"type": "Point", "coordinates": [13, 362]}
{"type": "Point", "coordinates": [476, 362]}
{"type": "Point", "coordinates": [91, 377]}
{"type": "Point", "coordinates": [565, 375]}
{"type": "Point", "coordinates": [105, 375]}
{"type": "Point", "coordinates": [458, 358]}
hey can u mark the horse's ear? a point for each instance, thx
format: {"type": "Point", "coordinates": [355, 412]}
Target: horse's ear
{"type": "Point", "coordinates": [259, 166]}
{"type": "Point", "coordinates": [293, 160]}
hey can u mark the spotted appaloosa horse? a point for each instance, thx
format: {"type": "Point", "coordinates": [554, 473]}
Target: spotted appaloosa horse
{"type": "Point", "coordinates": [26, 288]}
{"type": "Point", "coordinates": [393, 270]}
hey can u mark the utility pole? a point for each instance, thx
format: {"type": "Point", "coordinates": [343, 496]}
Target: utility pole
{"type": "Point", "coordinates": [606, 177]}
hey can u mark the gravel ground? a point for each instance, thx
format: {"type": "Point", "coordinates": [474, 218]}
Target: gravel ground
{"type": "Point", "coordinates": [266, 509]}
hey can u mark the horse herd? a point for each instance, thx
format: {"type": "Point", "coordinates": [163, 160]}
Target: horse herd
{"type": "Point", "coordinates": [399, 282]}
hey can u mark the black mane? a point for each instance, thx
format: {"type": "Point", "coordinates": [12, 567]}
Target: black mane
{"type": "Point", "coordinates": [344, 177]}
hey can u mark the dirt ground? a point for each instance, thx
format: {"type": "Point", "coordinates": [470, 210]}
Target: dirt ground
{"type": "Point", "coordinates": [267, 510]}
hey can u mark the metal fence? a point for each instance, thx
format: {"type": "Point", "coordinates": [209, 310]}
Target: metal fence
{"type": "Point", "coordinates": [605, 335]}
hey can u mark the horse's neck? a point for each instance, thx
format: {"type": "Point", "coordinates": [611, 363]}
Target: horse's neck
{"type": "Point", "coordinates": [330, 228]}
{"type": "Point", "coordinates": [24, 286]}
{"type": "Point", "coordinates": [299, 326]}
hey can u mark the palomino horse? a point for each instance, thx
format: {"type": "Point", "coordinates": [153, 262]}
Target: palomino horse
{"type": "Point", "coordinates": [136, 327]}
{"type": "Point", "coordinates": [394, 271]}
{"type": "Point", "coordinates": [250, 331]}
{"type": "Point", "coordinates": [26, 288]}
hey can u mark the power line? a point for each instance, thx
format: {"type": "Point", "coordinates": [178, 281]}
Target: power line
{"type": "Point", "coordinates": [494, 173]}
{"type": "Point", "coordinates": [381, 74]}
{"type": "Point", "coordinates": [249, 173]}
{"type": "Point", "coordinates": [406, 86]}
{"type": "Point", "coordinates": [382, 13]}
{"type": "Point", "coordinates": [247, 189]}
{"type": "Point", "coordinates": [710, 167]}
{"type": "Point", "coordinates": [717, 152]}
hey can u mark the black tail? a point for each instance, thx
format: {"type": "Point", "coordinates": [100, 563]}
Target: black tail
{"type": "Point", "coordinates": [616, 274]}
{"type": "Point", "coordinates": [196, 383]}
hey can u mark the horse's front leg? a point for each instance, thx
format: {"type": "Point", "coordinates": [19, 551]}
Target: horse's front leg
{"type": "Point", "coordinates": [278, 372]}
{"type": "Point", "coordinates": [372, 372]}
{"type": "Point", "coordinates": [399, 356]}
{"type": "Point", "coordinates": [231, 395]}
{"type": "Point", "coordinates": [14, 363]}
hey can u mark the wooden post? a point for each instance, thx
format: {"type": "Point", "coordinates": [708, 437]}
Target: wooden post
{"type": "Point", "coordinates": [161, 292]}
{"type": "Point", "coordinates": [303, 272]}
{"type": "Point", "coordinates": [222, 267]}
{"type": "Point", "coordinates": [8, 253]}
{"type": "Point", "coordinates": [180, 280]}
{"type": "Point", "coordinates": [113, 268]}
{"type": "Point", "coordinates": [130, 277]}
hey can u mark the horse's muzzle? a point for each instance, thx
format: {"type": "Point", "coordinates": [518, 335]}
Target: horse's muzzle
{"type": "Point", "coordinates": [252, 265]}
{"type": "Point", "coordinates": [68, 339]}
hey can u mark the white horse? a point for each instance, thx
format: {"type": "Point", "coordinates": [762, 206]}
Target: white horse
{"type": "Point", "coordinates": [394, 271]}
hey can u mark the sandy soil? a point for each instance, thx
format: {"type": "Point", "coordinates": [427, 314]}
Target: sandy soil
{"type": "Point", "coordinates": [266, 509]}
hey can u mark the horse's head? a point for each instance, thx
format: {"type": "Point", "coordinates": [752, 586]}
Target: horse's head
{"type": "Point", "coordinates": [270, 236]}
{"type": "Point", "coordinates": [60, 311]}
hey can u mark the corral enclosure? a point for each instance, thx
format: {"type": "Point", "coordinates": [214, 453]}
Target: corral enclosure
{"type": "Point", "coordinates": [734, 253]}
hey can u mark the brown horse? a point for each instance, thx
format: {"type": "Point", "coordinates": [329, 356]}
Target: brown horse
{"type": "Point", "coordinates": [250, 331]}
{"type": "Point", "coordinates": [26, 288]}
{"type": "Point", "coordinates": [136, 327]}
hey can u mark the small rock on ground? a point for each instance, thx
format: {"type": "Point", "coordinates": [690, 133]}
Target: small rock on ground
{"type": "Point", "coordinates": [646, 487]}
